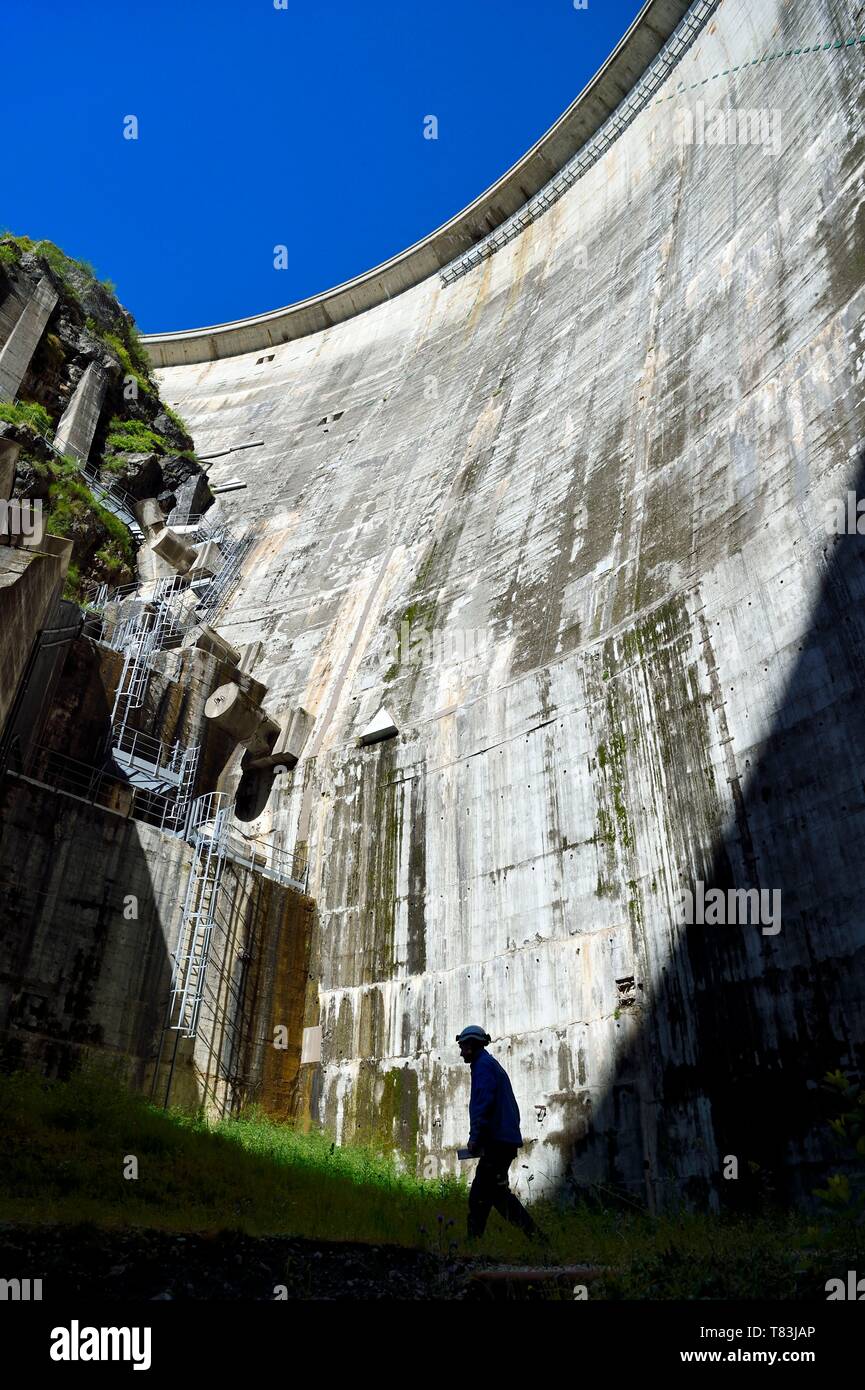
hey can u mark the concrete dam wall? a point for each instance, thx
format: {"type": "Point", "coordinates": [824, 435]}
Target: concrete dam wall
{"type": "Point", "coordinates": [562, 517]}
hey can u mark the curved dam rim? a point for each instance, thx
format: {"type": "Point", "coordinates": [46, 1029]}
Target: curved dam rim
{"type": "Point", "coordinates": [611, 84]}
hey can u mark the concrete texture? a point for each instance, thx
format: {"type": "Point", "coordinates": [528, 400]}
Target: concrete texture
{"type": "Point", "coordinates": [9, 451]}
{"type": "Point", "coordinates": [568, 530]}
{"type": "Point", "coordinates": [30, 583]}
{"type": "Point", "coordinates": [78, 424]}
{"type": "Point", "coordinates": [19, 347]}
{"type": "Point", "coordinates": [11, 304]}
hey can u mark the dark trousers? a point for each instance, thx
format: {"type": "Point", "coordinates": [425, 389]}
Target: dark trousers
{"type": "Point", "coordinates": [490, 1189]}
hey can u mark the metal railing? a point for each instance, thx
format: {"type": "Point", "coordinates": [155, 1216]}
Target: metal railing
{"type": "Point", "coordinates": [223, 584]}
{"type": "Point", "coordinates": [168, 763]}
{"type": "Point", "coordinates": [214, 592]}
{"type": "Point", "coordinates": [215, 843]}
{"type": "Point", "coordinates": [207, 830]}
{"type": "Point", "coordinates": [266, 857]}
{"type": "Point", "coordinates": [154, 621]}
{"type": "Point", "coordinates": [121, 504]}
{"type": "Point", "coordinates": [207, 818]}
{"type": "Point", "coordinates": [636, 101]}
{"type": "Point", "coordinates": [98, 787]}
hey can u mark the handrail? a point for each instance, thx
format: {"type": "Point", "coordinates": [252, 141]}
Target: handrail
{"type": "Point", "coordinates": [636, 101]}
{"type": "Point", "coordinates": [121, 499]}
{"type": "Point", "coordinates": [96, 786]}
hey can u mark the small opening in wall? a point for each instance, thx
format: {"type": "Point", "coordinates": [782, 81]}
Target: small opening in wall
{"type": "Point", "coordinates": [327, 420]}
{"type": "Point", "coordinates": [267, 358]}
{"type": "Point", "coordinates": [627, 991]}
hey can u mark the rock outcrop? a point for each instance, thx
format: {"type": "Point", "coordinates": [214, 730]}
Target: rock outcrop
{"type": "Point", "coordinates": [78, 337]}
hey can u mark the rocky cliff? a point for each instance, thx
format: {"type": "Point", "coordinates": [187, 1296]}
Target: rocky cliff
{"type": "Point", "coordinates": [140, 446]}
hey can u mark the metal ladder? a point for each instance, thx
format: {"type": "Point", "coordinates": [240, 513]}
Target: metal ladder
{"type": "Point", "coordinates": [148, 762]}
{"type": "Point", "coordinates": [207, 829]}
{"type": "Point", "coordinates": [224, 581]}
{"type": "Point", "coordinates": [132, 686]}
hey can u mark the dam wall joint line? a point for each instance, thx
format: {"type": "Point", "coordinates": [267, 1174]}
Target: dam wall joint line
{"type": "Point", "coordinates": [833, 46]}
{"type": "Point", "coordinates": [640, 99]}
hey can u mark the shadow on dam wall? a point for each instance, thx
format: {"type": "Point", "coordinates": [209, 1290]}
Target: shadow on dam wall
{"type": "Point", "coordinates": [737, 1036]}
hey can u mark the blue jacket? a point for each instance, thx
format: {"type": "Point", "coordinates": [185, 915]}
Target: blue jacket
{"type": "Point", "coordinates": [493, 1110]}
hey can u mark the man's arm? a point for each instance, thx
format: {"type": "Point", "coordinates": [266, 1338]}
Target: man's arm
{"type": "Point", "coordinates": [481, 1105]}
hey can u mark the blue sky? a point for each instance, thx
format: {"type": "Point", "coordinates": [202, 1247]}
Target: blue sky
{"type": "Point", "coordinates": [260, 126]}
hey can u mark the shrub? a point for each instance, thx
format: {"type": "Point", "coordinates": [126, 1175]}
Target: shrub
{"type": "Point", "coordinates": [73, 512]}
{"type": "Point", "coordinates": [133, 437]}
{"type": "Point", "coordinates": [176, 420]}
{"type": "Point", "coordinates": [843, 1197]}
{"type": "Point", "coordinates": [124, 357]}
{"type": "Point", "coordinates": [136, 348]}
{"type": "Point", "coordinates": [30, 414]}
{"type": "Point", "coordinates": [13, 247]}
{"type": "Point", "coordinates": [72, 587]}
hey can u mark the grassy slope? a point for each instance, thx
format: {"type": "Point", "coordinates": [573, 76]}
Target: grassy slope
{"type": "Point", "coordinates": [63, 1146]}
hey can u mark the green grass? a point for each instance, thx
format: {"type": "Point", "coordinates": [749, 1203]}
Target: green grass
{"type": "Point", "coordinates": [12, 248]}
{"type": "Point", "coordinates": [135, 347]}
{"type": "Point", "coordinates": [70, 508]}
{"type": "Point", "coordinates": [177, 420]}
{"type": "Point", "coordinates": [124, 357]}
{"type": "Point", "coordinates": [29, 413]}
{"type": "Point", "coordinates": [134, 437]}
{"type": "Point", "coordinates": [63, 1146]}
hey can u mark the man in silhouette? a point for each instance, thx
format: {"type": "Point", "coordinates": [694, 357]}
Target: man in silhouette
{"type": "Point", "coordinates": [494, 1136]}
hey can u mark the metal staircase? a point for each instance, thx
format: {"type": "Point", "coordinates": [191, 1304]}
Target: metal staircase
{"type": "Point", "coordinates": [223, 583]}
{"type": "Point", "coordinates": [167, 769]}
{"type": "Point", "coordinates": [198, 529]}
{"type": "Point", "coordinates": [149, 763]}
{"type": "Point", "coordinates": [121, 504]}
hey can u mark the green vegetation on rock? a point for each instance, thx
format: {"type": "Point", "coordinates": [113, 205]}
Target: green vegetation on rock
{"type": "Point", "coordinates": [13, 247]}
{"type": "Point", "coordinates": [88, 324]}
{"type": "Point", "coordinates": [100, 539]}
{"type": "Point", "coordinates": [124, 357]}
{"type": "Point", "coordinates": [176, 420]}
{"type": "Point", "coordinates": [30, 414]}
{"type": "Point", "coordinates": [134, 437]}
